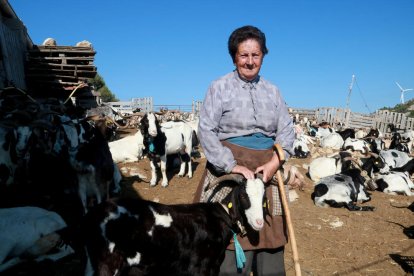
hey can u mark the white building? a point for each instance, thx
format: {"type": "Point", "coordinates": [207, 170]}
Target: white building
{"type": "Point", "coordinates": [144, 104]}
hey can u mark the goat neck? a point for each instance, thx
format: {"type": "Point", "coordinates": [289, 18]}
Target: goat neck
{"type": "Point", "coordinates": [235, 225]}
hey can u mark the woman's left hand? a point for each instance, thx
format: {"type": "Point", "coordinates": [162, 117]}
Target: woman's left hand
{"type": "Point", "coordinates": [269, 169]}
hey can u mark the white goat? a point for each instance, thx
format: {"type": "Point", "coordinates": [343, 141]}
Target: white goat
{"type": "Point", "coordinates": [29, 233]}
{"type": "Point", "coordinates": [127, 149]}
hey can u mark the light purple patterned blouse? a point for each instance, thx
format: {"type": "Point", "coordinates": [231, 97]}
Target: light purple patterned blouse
{"type": "Point", "coordinates": [233, 107]}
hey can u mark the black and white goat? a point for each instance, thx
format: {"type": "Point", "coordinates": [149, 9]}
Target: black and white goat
{"type": "Point", "coordinates": [405, 138]}
{"type": "Point", "coordinates": [392, 159]}
{"type": "Point", "coordinates": [356, 145]}
{"type": "Point", "coordinates": [300, 145]}
{"type": "Point", "coordinates": [160, 141]}
{"type": "Point", "coordinates": [397, 180]}
{"type": "Point", "coordinates": [375, 144]}
{"type": "Point", "coordinates": [398, 143]}
{"type": "Point", "coordinates": [347, 133]}
{"type": "Point", "coordinates": [147, 238]}
{"type": "Point", "coordinates": [346, 188]}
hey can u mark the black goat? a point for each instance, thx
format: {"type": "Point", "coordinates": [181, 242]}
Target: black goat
{"type": "Point", "coordinates": [139, 237]}
{"type": "Point", "coordinates": [347, 133]}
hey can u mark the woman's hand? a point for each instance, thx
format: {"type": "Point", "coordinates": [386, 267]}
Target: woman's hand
{"type": "Point", "coordinates": [248, 174]}
{"type": "Point", "coordinates": [269, 169]}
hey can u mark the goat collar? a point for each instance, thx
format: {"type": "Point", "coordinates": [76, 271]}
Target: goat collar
{"type": "Point", "coordinates": [238, 223]}
{"type": "Point", "coordinates": [151, 147]}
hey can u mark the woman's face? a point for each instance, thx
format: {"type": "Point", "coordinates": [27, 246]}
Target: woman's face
{"type": "Point", "coordinates": [249, 58]}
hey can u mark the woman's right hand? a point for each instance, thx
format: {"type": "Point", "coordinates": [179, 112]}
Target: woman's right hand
{"type": "Point", "coordinates": [248, 174]}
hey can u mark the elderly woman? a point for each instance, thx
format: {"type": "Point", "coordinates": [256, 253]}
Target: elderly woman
{"type": "Point", "coordinates": [242, 117]}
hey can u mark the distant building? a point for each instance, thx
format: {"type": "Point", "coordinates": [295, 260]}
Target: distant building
{"type": "Point", "coordinates": [143, 104]}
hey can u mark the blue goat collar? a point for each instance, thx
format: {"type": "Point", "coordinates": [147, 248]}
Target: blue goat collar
{"type": "Point", "coordinates": [151, 147]}
{"type": "Point", "coordinates": [240, 257]}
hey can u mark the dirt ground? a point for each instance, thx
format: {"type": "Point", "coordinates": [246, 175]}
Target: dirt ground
{"type": "Point", "coordinates": [330, 241]}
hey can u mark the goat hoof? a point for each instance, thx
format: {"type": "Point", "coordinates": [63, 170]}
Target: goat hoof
{"type": "Point", "coordinates": [153, 184]}
{"type": "Point", "coordinates": [164, 185]}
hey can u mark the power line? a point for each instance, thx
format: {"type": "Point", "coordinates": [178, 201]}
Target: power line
{"type": "Point", "coordinates": [363, 99]}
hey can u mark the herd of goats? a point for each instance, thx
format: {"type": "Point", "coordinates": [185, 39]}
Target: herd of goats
{"type": "Point", "coordinates": [60, 181]}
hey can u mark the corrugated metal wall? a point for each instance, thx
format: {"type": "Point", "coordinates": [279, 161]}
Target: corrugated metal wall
{"type": "Point", "coordinates": [13, 46]}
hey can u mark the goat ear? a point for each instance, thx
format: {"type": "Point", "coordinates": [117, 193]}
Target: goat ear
{"type": "Point", "coordinates": [266, 209]}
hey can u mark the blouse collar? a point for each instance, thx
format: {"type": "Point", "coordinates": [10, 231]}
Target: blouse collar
{"type": "Point", "coordinates": [245, 83]}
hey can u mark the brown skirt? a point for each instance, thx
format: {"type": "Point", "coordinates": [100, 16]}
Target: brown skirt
{"type": "Point", "coordinates": [273, 234]}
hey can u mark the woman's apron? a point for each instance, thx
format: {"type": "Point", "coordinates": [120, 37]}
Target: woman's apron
{"type": "Point", "coordinates": [273, 234]}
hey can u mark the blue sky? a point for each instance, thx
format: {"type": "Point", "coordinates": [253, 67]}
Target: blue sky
{"type": "Point", "coordinates": [172, 50]}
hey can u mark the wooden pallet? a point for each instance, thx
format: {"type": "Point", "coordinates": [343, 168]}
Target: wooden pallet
{"type": "Point", "coordinates": [59, 68]}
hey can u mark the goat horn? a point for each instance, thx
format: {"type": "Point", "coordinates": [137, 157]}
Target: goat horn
{"type": "Point", "coordinates": [260, 176]}
{"type": "Point", "coordinates": [232, 176]}
{"type": "Point", "coordinates": [114, 122]}
{"type": "Point", "coordinates": [369, 137]}
{"type": "Point", "coordinates": [93, 117]}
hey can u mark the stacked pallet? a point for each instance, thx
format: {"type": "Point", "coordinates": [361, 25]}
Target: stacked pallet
{"type": "Point", "coordinates": [55, 71]}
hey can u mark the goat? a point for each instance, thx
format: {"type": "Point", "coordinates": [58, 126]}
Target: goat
{"type": "Point", "coordinates": [160, 141]}
{"type": "Point", "coordinates": [29, 233]}
{"type": "Point", "coordinates": [324, 166]}
{"type": "Point", "coordinates": [360, 133]}
{"type": "Point", "coordinates": [392, 159]}
{"type": "Point", "coordinates": [345, 189]}
{"type": "Point", "coordinates": [127, 149]}
{"type": "Point", "coordinates": [300, 146]}
{"type": "Point", "coordinates": [148, 238]}
{"type": "Point", "coordinates": [332, 140]}
{"type": "Point", "coordinates": [72, 148]}
{"type": "Point", "coordinates": [13, 147]}
{"type": "Point", "coordinates": [406, 137]}
{"type": "Point", "coordinates": [397, 180]}
{"type": "Point", "coordinates": [375, 144]}
{"type": "Point", "coordinates": [397, 143]}
{"type": "Point", "coordinates": [374, 132]}
{"type": "Point", "coordinates": [347, 133]}
{"type": "Point", "coordinates": [323, 131]}
{"type": "Point", "coordinates": [356, 145]}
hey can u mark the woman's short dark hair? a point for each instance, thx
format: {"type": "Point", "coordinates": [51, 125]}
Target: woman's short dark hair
{"type": "Point", "coordinates": [244, 33]}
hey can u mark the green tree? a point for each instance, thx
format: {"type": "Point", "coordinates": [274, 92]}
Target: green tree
{"type": "Point", "coordinates": [402, 108]}
{"type": "Point", "coordinates": [100, 86]}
